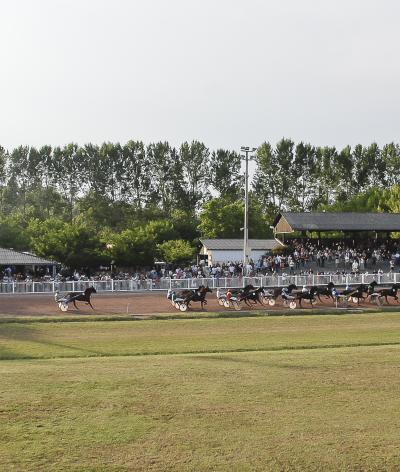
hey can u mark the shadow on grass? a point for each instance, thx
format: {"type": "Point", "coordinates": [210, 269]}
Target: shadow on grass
{"type": "Point", "coordinates": [15, 335]}
{"type": "Point", "coordinates": [197, 315]}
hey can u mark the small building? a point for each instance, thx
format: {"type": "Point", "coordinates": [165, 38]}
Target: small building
{"type": "Point", "coordinates": [351, 222]}
{"type": "Point", "coordinates": [231, 250]}
{"type": "Point", "coordinates": [24, 261]}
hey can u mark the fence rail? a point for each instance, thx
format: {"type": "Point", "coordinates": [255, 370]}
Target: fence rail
{"type": "Point", "coordinates": [179, 284]}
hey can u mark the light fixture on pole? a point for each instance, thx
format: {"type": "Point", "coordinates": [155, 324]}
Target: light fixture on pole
{"type": "Point", "coordinates": [247, 150]}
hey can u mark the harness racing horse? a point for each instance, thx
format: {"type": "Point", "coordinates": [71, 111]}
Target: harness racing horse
{"type": "Point", "coordinates": [358, 293]}
{"type": "Point", "coordinates": [307, 296]}
{"type": "Point", "coordinates": [252, 294]}
{"type": "Point", "coordinates": [326, 291]}
{"type": "Point", "coordinates": [390, 292]}
{"type": "Point", "coordinates": [80, 297]}
{"type": "Point", "coordinates": [198, 295]}
{"type": "Point", "coordinates": [278, 291]}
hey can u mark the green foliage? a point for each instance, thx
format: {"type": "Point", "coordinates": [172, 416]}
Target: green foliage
{"type": "Point", "coordinates": [372, 200]}
{"type": "Point", "coordinates": [220, 218]}
{"type": "Point", "coordinates": [75, 244]}
{"type": "Point", "coordinates": [133, 248]}
{"type": "Point", "coordinates": [176, 251]}
{"type": "Point", "coordinates": [11, 235]}
{"type": "Point", "coordinates": [142, 196]}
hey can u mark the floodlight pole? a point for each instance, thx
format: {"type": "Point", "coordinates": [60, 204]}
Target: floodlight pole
{"type": "Point", "coordinates": [247, 150]}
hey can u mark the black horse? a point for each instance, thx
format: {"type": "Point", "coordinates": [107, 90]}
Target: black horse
{"type": "Point", "coordinates": [198, 295]}
{"type": "Point", "coordinates": [251, 294]}
{"type": "Point", "coordinates": [326, 291]}
{"type": "Point", "coordinates": [81, 297]}
{"type": "Point", "coordinates": [310, 296]}
{"type": "Point", "coordinates": [358, 293]}
{"type": "Point", "coordinates": [389, 292]}
{"type": "Point", "coordinates": [278, 291]}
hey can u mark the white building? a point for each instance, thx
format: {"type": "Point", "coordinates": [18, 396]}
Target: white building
{"type": "Point", "coordinates": [231, 250]}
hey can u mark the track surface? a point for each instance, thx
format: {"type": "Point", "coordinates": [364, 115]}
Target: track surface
{"type": "Point", "coordinates": [119, 304]}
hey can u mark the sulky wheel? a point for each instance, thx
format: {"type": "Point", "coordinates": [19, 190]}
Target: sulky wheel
{"type": "Point", "coordinates": [264, 300]}
{"type": "Point", "coordinates": [183, 307]}
{"type": "Point", "coordinates": [271, 301]}
{"type": "Point", "coordinates": [177, 305]}
{"type": "Point", "coordinates": [354, 299]}
{"type": "Point", "coordinates": [63, 306]}
{"type": "Point", "coordinates": [226, 303]}
{"type": "Point", "coordinates": [221, 301]}
{"type": "Point", "coordinates": [236, 305]}
{"type": "Point", "coordinates": [292, 305]}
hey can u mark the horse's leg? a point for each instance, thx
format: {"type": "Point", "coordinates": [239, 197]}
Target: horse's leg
{"type": "Point", "coordinates": [90, 304]}
{"type": "Point", "coordinates": [73, 301]}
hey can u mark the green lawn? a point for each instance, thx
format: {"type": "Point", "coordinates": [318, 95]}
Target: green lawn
{"type": "Point", "coordinates": [288, 393]}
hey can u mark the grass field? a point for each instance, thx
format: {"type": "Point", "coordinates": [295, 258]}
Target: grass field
{"type": "Point", "coordinates": [242, 394]}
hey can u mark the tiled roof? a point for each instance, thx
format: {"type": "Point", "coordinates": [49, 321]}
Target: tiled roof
{"type": "Point", "coordinates": [348, 221]}
{"type": "Point", "coordinates": [236, 244]}
{"type": "Point", "coordinates": [11, 257]}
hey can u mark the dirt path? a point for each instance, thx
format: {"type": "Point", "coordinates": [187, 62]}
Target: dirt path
{"type": "Point", "coordinates": [115, 304]}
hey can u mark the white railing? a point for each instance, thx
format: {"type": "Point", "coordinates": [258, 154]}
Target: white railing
{"type": "Point", "coordinates": [179, 284]}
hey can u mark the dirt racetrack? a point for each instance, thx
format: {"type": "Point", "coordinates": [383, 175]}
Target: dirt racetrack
{"type": "Point", "coordinates": [120, 304]}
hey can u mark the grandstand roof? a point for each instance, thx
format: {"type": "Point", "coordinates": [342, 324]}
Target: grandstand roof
{"type": "Point", "coordinates": [287, 222]}
{"type": "Point", "coordinates": [237, 244]}
{"type": "Point", "coordinates": [11, 257]}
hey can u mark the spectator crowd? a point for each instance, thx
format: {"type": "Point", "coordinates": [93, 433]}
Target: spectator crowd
{"type": "Point", "coordinates": [301, 257]}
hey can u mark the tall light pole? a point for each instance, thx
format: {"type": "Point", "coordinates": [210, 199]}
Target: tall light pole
{"type": "Point", "coordinates": [247, 150]}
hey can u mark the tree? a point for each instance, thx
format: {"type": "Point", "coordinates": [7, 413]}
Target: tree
{"type": "Point", "coordinates": [273, 181]}
{"type": "Point", "coordinates": [225, 174]}
{"type": "Point", "coordinates": [194, 159]}
{"type": "Point", "coordinates": [135, 179]}
{"type": "Point", "coordinates": [303, 172]}
{"type": "Point", "coordinates": [390, 156]}
{"type": "Point", "coordinates": [166, 176]}
{"type": "Point", "coordinates": [13, 234]}
{"type": "Point", "coordinates": [265, 186]}
{"type": "Point", "coordinates": [74, 244]}
{"type": "Point", "coordinates": [69, 173]}
{"type": "Point", "coordinates": [133, 248]}
{"type": "Point", "coordinates": [176, 251]}
{"type": "Point", "coordinates": [222, 218]}
{"type": "Point", "coordinates": [3, 176]}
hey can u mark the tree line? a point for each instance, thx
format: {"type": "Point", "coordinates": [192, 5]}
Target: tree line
{"type": "Point", "coordinates": [132, 203]}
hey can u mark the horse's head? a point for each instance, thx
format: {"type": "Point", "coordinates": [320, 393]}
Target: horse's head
{"type": "Point", "coordinates": [396, 287]}
{"type": "Point", "coordinates": [292, 287]}
{"type": "Point", "coordinates": [91, 290]}
{"type": "Point", "coordinates": [374, 283]}
{"type": "Point", "coordinates": [247, 288]}
{"type": "Point", "coordinates": [330, 285]}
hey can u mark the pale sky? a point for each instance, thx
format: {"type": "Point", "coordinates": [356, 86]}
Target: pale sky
{"type": "Point", "coordinates": [226, 72]}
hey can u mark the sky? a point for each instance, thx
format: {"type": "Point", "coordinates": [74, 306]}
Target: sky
{"type": "Point", "coordinates": [225, 72]}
